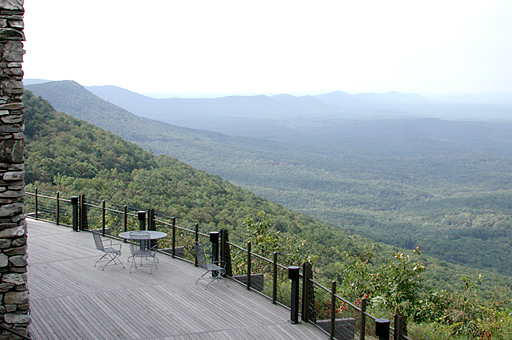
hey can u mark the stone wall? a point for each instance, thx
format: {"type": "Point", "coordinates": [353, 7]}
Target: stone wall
{"type": "Point", "coordinates": [14, 306]}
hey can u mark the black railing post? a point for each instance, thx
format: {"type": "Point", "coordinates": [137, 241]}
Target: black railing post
{"type": "Point", "coordinates": [362, 334]}
{"type": "Point", "coordinates": [225, 252]}
{"type": "Point", "coordinates": [125, 215]}
{"type": "Point", "coordinates": [214, 239]}
{"type": "Point", "coordinates": [74, 203]}
{"type": "Point", "coordinates": [57, 218]}
{"type": "Point", "coordinates": [103, 217]}
{"type": "Point", "coordinates": [84, 224]}
{"type": "Point", "coordinates": [307, 292]}
{"type": "Point", "coordinates": [36, 203]}
{"type": "Point", "coordinates": [333, 309]}
{"type": "Point", "coordinates": [196, 232]}
{"type": "Point", "coordinates": [249, 264]}
{"type": "Point", "coordinates": [400, 327]}
{"type": "Point", "coordinates": [382, 329]}
{"type": "Point", "coordinates": [274, 279]}
{"type": "Point", "coordinates": [151, 219]}
{"type": "Point", "coordinates": [152, 226]}
{"type": "Point", "coordinates": [173, 245]}
{"type": "Point", "coordinates": [294, 275]}
{"type": "Point", "coordinates": [141, 215]}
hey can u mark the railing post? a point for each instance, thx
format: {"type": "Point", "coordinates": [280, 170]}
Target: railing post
{"type": "Point", "coordinates": [307, 292]}
{"type": "Point", "coordinates": [74, 203]}
{"type": "Point", "coordinates": [225, 253]}
{"type": "Point", "coordinates": [103, 217]}
{"type": "Point", "coordinates": [173, 245]}
{"type": "Point", "coordinates": [362, 334]}
{"type": "Point", "coordinates": [274, 279]}
{"type": "Point", "coordinates": [294, 275]}
{"type": "Point", "coordinates": [400, 327]}
{"type": "Point", "coordinates": [333, 309]}
{"type": "Point", "coordinates": [152, 226]}
{"type": "Point", "coordinates": [382, 329]}
{"type": "Point", "coordinates": [214, 239]}
{"type": "Point", "coordinates": [141, 215]}
{"type": "Point", "coordinates": [249, 264]}
{"type": "Point", "coordinates": [125, 215]}
{"type": "Point", "coordinates": [151, 219]}
{"type": "Point", "coordinates": [84, 225]}
{"type": "Point", "coordinates": [57, 218]}
{"type": "Point", "coordinates": [196, 231]}
{"type": "Point", "coordinates": [36, 204]}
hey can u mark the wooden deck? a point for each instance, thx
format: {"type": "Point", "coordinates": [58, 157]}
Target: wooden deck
{"type": "Point", "coordinates": [71, 299]}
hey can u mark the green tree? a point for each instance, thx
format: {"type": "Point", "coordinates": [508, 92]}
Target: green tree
{"type": "Point", "coordinates": [398, 283]}
{"type": "Point", "coordinates": [467, 314]}
{"type": "Point", "coordinates": [266, 240]}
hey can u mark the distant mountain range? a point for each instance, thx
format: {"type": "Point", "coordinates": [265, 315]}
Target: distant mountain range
{"type": "Point", "coordinates": [245, 115]}
{"type": "Point", "coordinates": [249, 115]}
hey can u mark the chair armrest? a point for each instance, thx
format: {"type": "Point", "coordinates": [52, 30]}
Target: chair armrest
{"type": "Point", "coordinates": [220, 263]}
{"type": "Point", "coordinates": [115, 245]}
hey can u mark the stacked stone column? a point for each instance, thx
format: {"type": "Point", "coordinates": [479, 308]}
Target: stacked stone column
{"type": "Point", "coordinates": [14, 301]}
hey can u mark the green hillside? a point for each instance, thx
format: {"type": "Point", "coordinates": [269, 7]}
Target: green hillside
{"type": "Point", "coordinates": [444, 185]}
{"type": "Point", "coordinates": [73, 156]}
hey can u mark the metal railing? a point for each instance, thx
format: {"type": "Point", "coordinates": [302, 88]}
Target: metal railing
{"type": "Point", "coordinates": [319, 302]}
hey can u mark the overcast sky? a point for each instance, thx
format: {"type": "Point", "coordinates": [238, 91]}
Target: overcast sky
{"type": "Point", "coordinates": [269, 47]}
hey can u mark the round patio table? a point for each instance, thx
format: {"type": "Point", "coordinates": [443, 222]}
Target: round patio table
{"type": "Point", "coordinates": [133, 235]}
{"type": "Point", "coordinates": [153, 235]}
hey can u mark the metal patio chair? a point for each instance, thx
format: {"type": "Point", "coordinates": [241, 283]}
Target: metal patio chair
{"type": "Point", "coordinates": [141, 249]}
{"type": "Point", "coordinates": [216, 271]}
{"type": "Point", "coordinates": [112, 251]}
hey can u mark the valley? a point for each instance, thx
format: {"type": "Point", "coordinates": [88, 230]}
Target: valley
{"type": "Point", "coordinates": [443, 185]}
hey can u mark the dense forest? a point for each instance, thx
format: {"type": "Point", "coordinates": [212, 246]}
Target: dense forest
{"type": "Point", "coordinates": [443, 185]}
{"type": "Point", "coordinates": [73, 156]}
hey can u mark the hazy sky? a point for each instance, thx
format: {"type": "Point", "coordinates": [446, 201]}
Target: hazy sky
{"type": "Point", "coordinates": [273, 46]}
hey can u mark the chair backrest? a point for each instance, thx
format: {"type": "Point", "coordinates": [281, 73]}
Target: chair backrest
{"type": "Point", "coordinates": [135, 248]}
{"type": "Point", "coordinates": [200, 255]}
{"type": "Point", "coordinates": [98, 241]}
{"type": "Point", "coordinates": [143, 237]}
{"type": "Point", "coordinates": [139, 235]}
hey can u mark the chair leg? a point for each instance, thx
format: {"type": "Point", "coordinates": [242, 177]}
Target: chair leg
{"type": "Point", "coordinates": [113, 258]}
{"type": "Point", "coordinates": [154, 264]}
{"type": "Point", "coordinates": [118, 261]}
{"type": "Point", "coordinates": [101, 258]}
{"type": "Point", "coordinates": [133, 264]}
{"type": "Point", "coordinates": [200, 277]}
{"type": "Point", "coordinates": [217, 278]}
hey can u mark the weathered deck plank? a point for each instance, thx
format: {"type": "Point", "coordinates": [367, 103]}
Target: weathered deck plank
{"type": "Point", "coordinates": [71, 299]}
